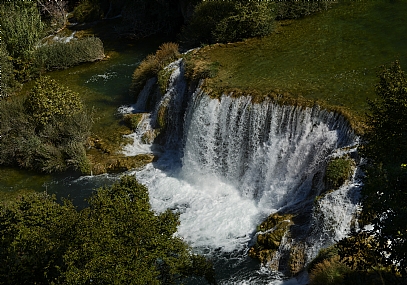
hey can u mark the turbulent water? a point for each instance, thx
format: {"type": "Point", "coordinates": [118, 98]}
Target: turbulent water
{"type": "Point", "coordinates": [228, 163]}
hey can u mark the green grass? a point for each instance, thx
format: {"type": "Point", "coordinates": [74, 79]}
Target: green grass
{"type": "Point", "coordinates": [333, 55]}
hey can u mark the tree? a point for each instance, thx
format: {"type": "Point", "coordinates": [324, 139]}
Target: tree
{"type": "Point", "coordinates": [56, 10]}
{"type": "Point", "coordinates": [384, 194]}
{"type": "Point", "coordinates": [35, 232]}
{"type": "Point", "coordinates": [122, 241]}
{"type": "Point", "coordinates": [118, 239]}
{"type": "Point", "coordinates": [226, 21]}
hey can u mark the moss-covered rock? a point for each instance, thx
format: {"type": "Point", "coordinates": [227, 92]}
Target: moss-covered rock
{"type": "Point", "coordinates": [105, 157]}
{"type": "Point", "coordinates": [338, 171]}
{"type": "Point", "coordinates": [132, 120]}
{"type": "Point", "coordinates": [270, 235]}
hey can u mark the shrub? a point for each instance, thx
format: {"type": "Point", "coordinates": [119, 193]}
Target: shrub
{"type": "Point", "coordinates": [151, 66]}
{"type": "Point", "coordinates": [226, 21]}
{"type": "Point", "coordinates": [7, 82]}
{"type": "Point", "coordinates": [88, 11]}
{"type": "Point", "coordinates": [47, 131]}
{"type": "Point", "coordinates": [48, 99]}
{"type": "Point", "coordinates": [293, 9]}
{"type": "Point", "coordinates": [21, 27]}
{"type": "Point", "coordinates": [21, 31]}
{"type": "Point", "coordinates": [338, 171]}
{"type": "Point", "coordinates": [329, 272]}
{"type": "Point", "coordinates": [59, 55]}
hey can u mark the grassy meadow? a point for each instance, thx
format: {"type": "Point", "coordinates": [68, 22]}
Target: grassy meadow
{"type": "Point", "coordinates": [333, 56]}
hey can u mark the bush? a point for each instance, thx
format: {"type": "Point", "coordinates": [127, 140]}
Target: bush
{"type": "Point", "coordinates": [88, 11]}
{"type": "Point", "coordinates": [48, 99]}
{"type": "Point", "coordinates": [7, 82]}
{"type": "Point", "coordinates": [21, 31]}
{"type": "Point", "coordinates": [151, 66]}
{"type": "Point", "coordinates": [21, 27]}
{"type": "Point", "coordinates": [293, 9]}
{"type": "Point", "coordinates": [60, 55]}
{"type": "Point", "coordinates": [329, 272]}
{"type": "Point", "coordinates": [338, 171]}
{"type": "Point", "coordinates": [47, 131]}
{"type": "Point", "coordinates": [226, 21]}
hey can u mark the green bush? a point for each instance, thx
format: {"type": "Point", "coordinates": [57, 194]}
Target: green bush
{"type": "Point", "coordinates": [7, 82]}
{"type": "Point", "coordinates": [293, 9]}
{"type": "Point", "coordinates": [48, 99]}
{"type": "Point", "coordinates": [21, 27]}
{"type": "Point", "coordinates": [338, 171]}
{"type": "Point", "coordinates": [59, 55]}
{"type": "Point", "coordinates": [88, 11]}
{"type": "Point", "coordinates": [21, 31]}
{"type": "Point", "coordinates": [329, 272]}
{"type": "Point", "coordinates": [151, 66]}
{"type": "Point", "coordinates": [47, 132]}
{"type": "Point", "coordinates": [226, 21]}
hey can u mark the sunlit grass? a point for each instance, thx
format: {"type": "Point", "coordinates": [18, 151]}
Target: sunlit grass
{"type": "Point", "coordinates": [334, 55]}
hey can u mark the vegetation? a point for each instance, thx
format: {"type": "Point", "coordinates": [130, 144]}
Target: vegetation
{"type": "Point", "coordinates": [228, 21]}
{"type": "Point", "coordinates": [383, 193]}
{"type": "Point", "coordinates": [58, 55]}
{"type": "Point", "coordinates": [329, 272]}
{"type": "Point", "coordinates": [22, 29]}
{"type": "Point", "coordinates": [88, 11]}
{"type": "Point", "coordinates": [47, 131]}
{"type": "Point", "coordinates": [338, 171]}
{"type": "Point", "coordinates": [331, 57]}
{"type": "Point", "coordinates": [118, 239]}
{"type": "Point", "coordinates": [152, 65]}
{"type": "Point", "coordinates": [294, 9]}
{"type": "Point", "coordinates": [7, 81]}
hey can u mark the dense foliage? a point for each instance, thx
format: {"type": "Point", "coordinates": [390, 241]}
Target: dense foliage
{"type": "Point", "coordinates": [384, 195]}
{"type": "Point", "coordinates": [293, 9]}
{"type": "Point", "coordinates": [21, 28]}
{"type": "Point", "coordinates": [226, 21]}
{"type": "Point", "coordinates": [118, 239]}
{"type": "Point", "coordinates": [63, 55]}
{"type": "Point", "coordinates": [7, 81]}
{"type": "Point", "coordinates": [47, 131]}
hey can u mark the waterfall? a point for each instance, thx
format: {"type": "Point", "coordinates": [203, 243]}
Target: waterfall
{"type": "Point", "coordinates": [229, 163]}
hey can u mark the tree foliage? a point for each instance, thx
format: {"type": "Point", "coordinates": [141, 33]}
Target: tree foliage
{"type": "Point", "coordinates": [384, 194]}
{"type": "Point", "coordinates": [226, 21]}
{"type": "Point", "coordinates": [118, 239]}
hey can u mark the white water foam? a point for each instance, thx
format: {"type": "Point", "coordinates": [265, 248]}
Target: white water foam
{"type": "Point", "coordinates": [240, 162]}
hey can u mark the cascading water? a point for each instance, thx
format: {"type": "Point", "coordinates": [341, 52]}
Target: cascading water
{"type": "Point", "coordinates": [229, 163]}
